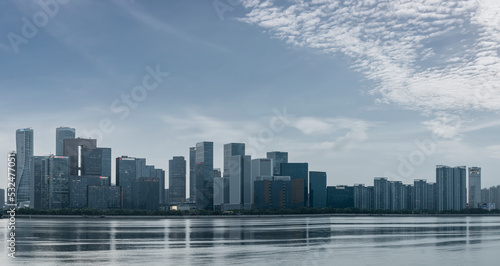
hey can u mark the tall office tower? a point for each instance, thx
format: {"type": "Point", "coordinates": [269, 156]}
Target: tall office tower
{"type": "Point", "coordinates": [381, 195]}
{"type": "Point", "coordinates": [340, 197]}
{"type": "Point", "coordinates": [145, 186]}
{"type": "Point", "coordinates": [96, 162]}
{"type": "Point", "coordinates": [431, 196]}
{"type": "Point", "coordinates": [38, 182]}
{"type": "Point", "coordinates": [260, 167]}
{"type": "Point", "coordinates": [58, 181]}
{"type": "Point", "coordinates": [318, 194]}
{"type": "Point", "coordinates": [278, 158]}
{"type": "Point", "coordinates": [218, 193]}
{"type": "Point", "coordinates": [177, 179]}
{"type": "Point", "coordinates": [396, 195]}
{"type": "Point", "coordinates": [240, 182]}
{"type": "Point", "coordinates": [61, 134]}
{"type": "Point", "coordinates": [24, 147]}
{"type": "Point", "coordinates": [2, 197]}
{"type": "Point", "coordinates": [231, 149]}
{"type": "Point", "coordinates": [451, 186]}
{"type": "Point", "coordinates": [73, 150]}
{"type": "Point", "coordinates": [474, 187]}
{"type": "Point", "coordinates": [204, 175]}
{"type": "Point", "coordinates": [140, 167]}
{"type": "Point", "coordinates": [125, 173]}
{"type": "Point", "coordinates": [192, 174]}
{"type": "Point", "coordinates": [160, 174]}
{"type": "Point", "coordinates": [299, 173]}
{"type": "Point", "coordinates": [421, 194]}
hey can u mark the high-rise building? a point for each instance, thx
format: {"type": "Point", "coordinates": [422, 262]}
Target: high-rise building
{"type": "Point", "coordinates": [409, 195]}
{"type": "Point", "coordinates": [278, 158]}
{"type": "Point", "coordinates": [73, 150]}
{"type": "Point", "coordinates": [96, 162]}
{"type": "Point", "coordinates": [431, 196]}
{"type": "Point", "coordinates": [396, 195]}
{"type": "Point", "coordinates": [160, 174]}
{"type": "Point", "coordinates": [231, 149]}
{"type": "Point", "coordinates": [125, 173]}
{"type": "Point", "coordinates": [381, 195]}
{"type": "Point", "coordinates": [177, 180]}
{"type": "Point", "coordinates": [340, 197]}
{"type": "Point", "coordinates": [24, 149]}
{"type": "Point", "coordinates": [38, 183]}
{"type": "Point", "coordinates": [474, 187]}
{"type": "Point", "coordinates": [421, 194]}
{"type": "Point", "coordinates": [299, 174]}
{"type": "Point", "coordinates": [192, 174]}
{"type": "Point", "coordinates": [58, 181]}
{"type": "Point", "coordinates": [318, 193]}
{"type": "Point", "coordinates": [240, 179]}
{"type": "Point", "coordinates": [363, 197]}
{"type": "Point", "coordinates": [451, 187]}
{"type": "Point", "coordinates": [260, 167]}
{"type": "Point", "coordinates": [61, 134]}
{"type": "Point", "coordinates": [204, 175]}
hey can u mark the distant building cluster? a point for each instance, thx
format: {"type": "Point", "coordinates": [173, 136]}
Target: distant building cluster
{"type": "Point", "coordinates": [79, 176]}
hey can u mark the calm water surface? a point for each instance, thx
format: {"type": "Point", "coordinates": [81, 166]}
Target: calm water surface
{"type": "Point", "coordinates": [257, 241]}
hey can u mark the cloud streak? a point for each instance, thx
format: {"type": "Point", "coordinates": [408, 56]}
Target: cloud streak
{"type": "Point", "coordinates": [423, 55]}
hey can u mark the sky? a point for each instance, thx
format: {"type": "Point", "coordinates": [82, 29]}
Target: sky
{"type": "Point", "coordinates": [358, 89]}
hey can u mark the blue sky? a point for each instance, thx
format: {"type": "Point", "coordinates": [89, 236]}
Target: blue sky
{"type": "Point", "coordinates": [369, 88]}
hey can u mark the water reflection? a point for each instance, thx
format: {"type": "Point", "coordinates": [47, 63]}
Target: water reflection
{"type": "Point", "coordinates": [249, 240]}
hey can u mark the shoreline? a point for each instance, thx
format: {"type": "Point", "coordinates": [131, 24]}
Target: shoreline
{"type": "Point", "coordinates": [162, 217]}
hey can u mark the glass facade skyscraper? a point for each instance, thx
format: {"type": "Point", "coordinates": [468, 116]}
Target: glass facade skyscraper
{"type": "Point", "coordinates": [204, 175]}
{"type": "Point", "coordinates": [177, 179]}
{"type": "Point", "coordinates": [231, 149]}
{"type": "Point", "coordinates": [24, 149]}
{"type": "Point", "coordinates": [278, 158]}
{"type": "Point", "coordinates": [61, 134]}
{"type": "Point", "coordinates": [192, 174]}
{"type": "Point", "coordinates": [299, 173]}
{"type": "Point", "coordinates": [125, 173]}
{"type": "Point", "coordinates": [317, 181]}
{"type": "Point", "coordinates": [96, 162]}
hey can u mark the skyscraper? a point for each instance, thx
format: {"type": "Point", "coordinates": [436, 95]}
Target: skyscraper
{"type": "Point", "coordinates": [177, 179]}
{"type": "Point", "coordinates": [318, 194]}
{"type": "Point", "coordinates": [192, 174]}
{"type": "Point", "coordinates": [24, 147]}
{"type": "Point", "coordinates": [125, 173]}
{"type": "Point", "coordinates": [38, 183]}
{"type": "Point", "coordinates": [61, 134]}
{"type": "Point", "coordinates": [204, 175]}
{"type": "Point", "coordinates": [451, 187]}
{"type": "Point", "coordinates": [299, 173]}
{"type": "Point", "coordinates": [278, 158]}
{"type": "Point", "coordinates": [96, 162]}
{"type": "Point", "coordinates": [421, 194]}
{"type": "Point", "coordinates": [73, 150]}
{"type": "Point", "coordinates": [58, 181]}
{"type": "Point", "coordinates": [240, 182]}
{"type": "Point", "coordinates": [2, 197]}
{"type": "Point", "coordinates": [231, 149]}
{"type": "Point", "coordinates": [396, 195]}
{"type": "Point", "coordinates": [474, 187]}
{"type": "Point", "coordinates": [381, 196]}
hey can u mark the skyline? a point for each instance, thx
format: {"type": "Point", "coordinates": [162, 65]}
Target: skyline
{"type": "Point", "coordinates": [228, 77]}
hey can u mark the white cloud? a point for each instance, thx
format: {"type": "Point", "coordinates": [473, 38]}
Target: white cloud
{"type": "Point", "coordinates": [423, 55]}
